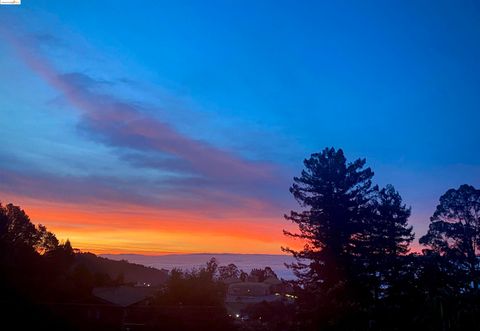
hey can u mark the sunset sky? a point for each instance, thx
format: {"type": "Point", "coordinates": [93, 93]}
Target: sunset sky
{"type": "Point", "coordinates": [169, 126]}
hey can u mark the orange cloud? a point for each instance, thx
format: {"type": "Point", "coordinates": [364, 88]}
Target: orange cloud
{"type": "Point", "coordinates": [120, 228]}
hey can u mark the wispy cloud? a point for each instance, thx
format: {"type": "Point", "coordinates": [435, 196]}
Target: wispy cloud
{"type": "Point", "coordinates": [200, 170]}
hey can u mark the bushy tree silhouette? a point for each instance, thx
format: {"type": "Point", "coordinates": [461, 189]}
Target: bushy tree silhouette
{"type": "Point", "coordinates": [228, 271]}
{"type": "Point", "coordinates": [454, 231]}
{"type": "Point", "coordinates": [16, 229]}
{"type": "Point", "coordinates": [197, 287]}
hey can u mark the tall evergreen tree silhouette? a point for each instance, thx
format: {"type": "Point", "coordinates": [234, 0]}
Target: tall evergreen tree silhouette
{"type": "Point", "coordinates": [389, 237]}
{"type": "Point", "coordinates": [336, 200]}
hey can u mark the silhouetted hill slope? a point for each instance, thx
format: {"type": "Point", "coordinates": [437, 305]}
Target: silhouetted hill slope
{"type": "Point", "coordinates": [132, 273]}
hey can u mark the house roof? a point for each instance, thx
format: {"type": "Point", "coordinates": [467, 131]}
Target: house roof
{"type": "Point", "coordinates": [123, 296]}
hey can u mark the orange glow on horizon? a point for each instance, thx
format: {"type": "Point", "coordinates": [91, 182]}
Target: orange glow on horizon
{"type": "Point", "coordinates": [121, 228]}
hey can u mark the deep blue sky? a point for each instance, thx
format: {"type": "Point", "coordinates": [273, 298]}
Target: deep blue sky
{"type": "Point", "coordinates": [260, 82]}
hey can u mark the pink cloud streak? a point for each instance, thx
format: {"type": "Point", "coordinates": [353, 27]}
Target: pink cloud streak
{"type": "Point", "coordinates": [123, 124]}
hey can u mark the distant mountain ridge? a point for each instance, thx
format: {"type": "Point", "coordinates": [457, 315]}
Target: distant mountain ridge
{"type": "Point", "coordinates": [195, 260]}
{"type": "Point", "coordinates": [130, 271]}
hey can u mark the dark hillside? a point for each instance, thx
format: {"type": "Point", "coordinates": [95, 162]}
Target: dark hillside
{"type": "Point", "coordinates": [131, 273]}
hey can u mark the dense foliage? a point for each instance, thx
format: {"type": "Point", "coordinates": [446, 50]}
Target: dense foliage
{"type": "Point", "coordinates": [356, 271]}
